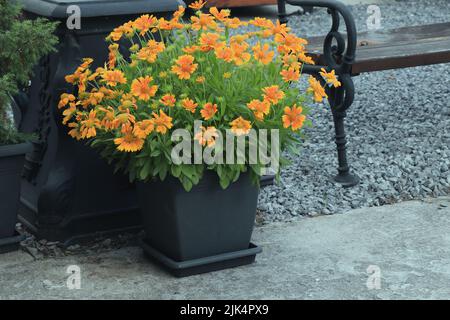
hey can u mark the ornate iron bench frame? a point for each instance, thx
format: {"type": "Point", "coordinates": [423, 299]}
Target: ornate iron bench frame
{"type": "Point", "coordinates": [339, 55]}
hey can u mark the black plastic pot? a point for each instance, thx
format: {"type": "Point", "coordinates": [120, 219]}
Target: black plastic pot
{"type": "Point", "coordinates": [202, 230]}
{"type": "Point", "coordinates": [12, 158]}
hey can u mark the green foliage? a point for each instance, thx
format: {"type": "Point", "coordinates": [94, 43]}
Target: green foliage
{"type": "Point", "coordinates": [23, 43]}
{"type": "Point", "coordinates": [8, 135]}
{"type": "Point", "coordinates": [174, 73]}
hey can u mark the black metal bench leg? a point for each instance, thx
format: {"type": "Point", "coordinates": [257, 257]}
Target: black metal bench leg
{"type": "Point", "coordinates": [338, 54]}
{"type": "Point", "coordinates": [344, 177]}
{"type": "Point", "coordinates": [282, 16]}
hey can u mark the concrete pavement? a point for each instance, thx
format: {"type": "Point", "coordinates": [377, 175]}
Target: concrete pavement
{"type": "Point", "coordinates": [400, 251]}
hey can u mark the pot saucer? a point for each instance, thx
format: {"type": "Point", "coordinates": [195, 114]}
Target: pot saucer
{"type": "Point", "coordinates": [202, 265]}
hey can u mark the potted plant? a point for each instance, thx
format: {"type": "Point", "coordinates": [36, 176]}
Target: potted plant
{"type": "Point", "coordinates": [22, 43]}
{"type": "Point", "coordinates": [184, 116]}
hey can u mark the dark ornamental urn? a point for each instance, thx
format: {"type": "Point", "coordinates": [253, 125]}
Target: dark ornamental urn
{"type": "Point", "coordinates": [68, 192]}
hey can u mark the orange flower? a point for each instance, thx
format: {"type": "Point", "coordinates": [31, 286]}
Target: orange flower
{"type": "Point", "coordinates": [273, 94]}
{"type": "Point", "coordinates": [65, 99]}
{"type": "Point", "coordinates": [163, 24]}
{"type": "Point", "coordinates": [109, 93]}
{"type": "Point", "coordinates": [112, 56]}
{"type": "Point", "coordinates": [127, 101]}
{"type": "Point", "coordinates": [259, 108]}
{"type": "Point", "coordinates": [262, 54]}
{"type": "Point", "coordinates": [316, 88]}
{"type": "Point", "coordinates": [189, 105]}
{"type": "Point", "coordinates": [123, 119]}
{"type": "Point", "coordinates": [291, 74]}
{"type": "Point", "coordinates": [221, 15]}
{"type": "Point", "coordinates": [209, 41]}
{"type": "Point", "coordinates": [144, 23]}
{"type": "Point", "coordinates": [92, 98]}
{"type": "Point", "coordinates": [168, 100]}
{"type": "Point", "coordinates": [150, 52]}
{"type": "Point", "coordinates": [86, 63]}
{"type": "Point", "coordinates": [72, 78]}
{"type": "Point", "coordinates": [208, 111]}
{"type": "Point", "coordinates": [179, 13]}
{"type": "Point", "coordinates": [197, 5]}
{"type": "Point", "coordinates": [69, 113]}
{"type": "Point", "coordinates": [233, 23]}
{"type": "Point", "coordinates": [276, 28]}
{"type": "Point", "coordinates": [239, 39]}
{"type": "Point", "coordinates": [118, 32]}
{"type": "Point", "coordinates": [291, 61]}
{"type": "Point", "coordinates": [240, 126]}
{"type": "Point", "coordinates": [142, 89]}
{"type": "Point", "coordinates": [87, 128]}
{"type": "Point", "coordinates": [290, 43]}
{"type": "Point", "coordinates": [129, 142]}
{"type": "Point", "coordinates": [143, 128]}
{"type": "Point", "coordinates": [240, 56]}
{"type": "Point", "coordinates": [293, 117]}
{"type": "Point", "coordinates": [330, 78]}
{"type": "Point", "coordinates": [107, 122]}
{"type": "Point", "coordinates": [200, 79]}
{"type": "Point", "coordinates": [113, 77]}
{"type": "Point", "coordinates": [260, 22]}
{"type": "Point", "coordinates": [74, 132]}
{"type": "Point", "coordinates": [162, 122]}
{"type": "Point", "coordinates": [224, 53]}
{"type": "Point", "coordinates": [191, 49]}
{"type": "Point", "coordinates": [184, 66]}
{"type": "Point", "coordinates": [203, 22]}
{"type": "Point", "coordinates": [82, 81]}
{"type": "Point", "coordinates": [207, 136]}
{"type": "Point", "coordinates": [305, 59]}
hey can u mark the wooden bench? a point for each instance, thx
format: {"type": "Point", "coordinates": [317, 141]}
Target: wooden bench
{"type": "Point", "coordinates": [396, 48]}
{"type": "Point", "coordinates": [351, 54]}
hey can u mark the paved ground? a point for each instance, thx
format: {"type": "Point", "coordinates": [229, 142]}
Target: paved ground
{"type": "Point", "coordinates": [324, 257]}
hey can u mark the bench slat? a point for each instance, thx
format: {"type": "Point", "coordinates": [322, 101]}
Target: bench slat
{"type": "Point", "coordinates": [402, 56]}
{"type": "Point", "coordinates": [398, 48]}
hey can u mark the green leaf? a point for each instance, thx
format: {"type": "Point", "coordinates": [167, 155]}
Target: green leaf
{"type": "Point", "coordinates": [145, 171]}
{"type": "Point", "coordinates": [224, 183]}
{"type": "Point", "coordinates": [188, 170]}
{"type": "Point", "coordinates": [163, 172]}
{"type": "Point", "coordinates": [176, 171]}
{"type": "Point", "coordinates": [155, 153]}
{"type": "Point", "coordinates": [187, 184]}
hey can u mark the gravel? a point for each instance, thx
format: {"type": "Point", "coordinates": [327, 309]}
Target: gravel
{"type": "Point", "coordinates": [42, 249]}
{"type": "Point", "coordinates": [398, 131]}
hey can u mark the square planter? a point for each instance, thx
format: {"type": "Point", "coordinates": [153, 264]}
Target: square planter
{"type": "Point", "coordinates": [202, 230]}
